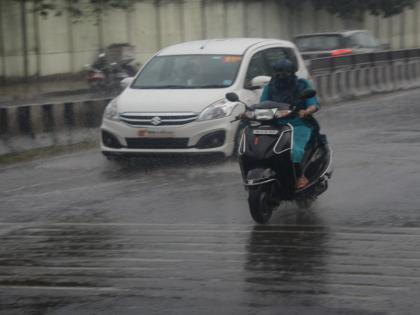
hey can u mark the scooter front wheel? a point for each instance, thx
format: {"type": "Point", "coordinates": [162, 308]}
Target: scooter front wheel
{"type": "Point", "coordinates": [259, 204]}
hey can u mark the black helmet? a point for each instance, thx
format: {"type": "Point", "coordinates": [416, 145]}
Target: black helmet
{"type": "Point", "coordinates": [285, 66]}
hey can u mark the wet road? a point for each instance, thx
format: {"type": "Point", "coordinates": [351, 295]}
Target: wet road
{"type": "Point", "coordinates": [81, 235]}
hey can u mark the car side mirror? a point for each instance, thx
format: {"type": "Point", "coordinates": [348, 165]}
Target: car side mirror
{"type": "Point", "coordinates": [259, 82]}
{"type": "Point", "coordinates": [232, 97]}
{"type": "Point", "coordinates": [126, 82]}
{"type": "Point", "coordinates": [308, 93]}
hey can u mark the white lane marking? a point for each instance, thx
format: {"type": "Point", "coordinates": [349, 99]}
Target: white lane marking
{"type": "Point", "coordinates": [130, 259]}
{"type": "Point", "coordinates": [346, 297]}
{"type": "Point", "coordinates": [26, 187]}
{"type": "Point", "coordinates": [272, 228]}
{"type": "Point", "coordinates": [167, 232]}
{"type": "Point", "coordinates": [232, 270]}
{"type": "Point", "coordinates": [79, 188]}
{"type": "Point", "coordinates": [81, 268]}
{"type": "Point", "coordinates": [64, 288]}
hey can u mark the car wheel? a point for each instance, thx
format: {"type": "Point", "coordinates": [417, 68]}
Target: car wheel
{"type": "Point", "coordinates": [114, 157]}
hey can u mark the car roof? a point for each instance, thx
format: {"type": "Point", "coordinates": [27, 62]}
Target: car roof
{"type": "Point", "coordinates": [225, 46]}
{"type": "Point", "coordinates": [343, 33]}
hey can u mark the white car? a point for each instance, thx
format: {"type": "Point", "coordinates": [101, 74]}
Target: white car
{"type": "Point", "coordinates": [177, 104]}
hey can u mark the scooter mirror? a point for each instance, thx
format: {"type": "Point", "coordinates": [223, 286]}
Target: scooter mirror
{"type": "Point", "coordinates": [126, 82]}
{"type": "Point", "coordinates": [308, 93]}
{"type": "Point", "coordinates": [232, 97]}
{"type": "Point", "coordinates": [258, 82]}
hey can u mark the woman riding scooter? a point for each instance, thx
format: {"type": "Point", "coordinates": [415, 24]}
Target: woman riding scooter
{"type": "Point", "coordinates": [285, 87]}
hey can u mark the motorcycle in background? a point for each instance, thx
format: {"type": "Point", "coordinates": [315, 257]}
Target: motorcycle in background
{"type": "Point", "coordinates": [111, 67]}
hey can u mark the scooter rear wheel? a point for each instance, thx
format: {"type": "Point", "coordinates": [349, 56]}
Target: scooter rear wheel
{"type": "Point", "coordinates": [259, 204]}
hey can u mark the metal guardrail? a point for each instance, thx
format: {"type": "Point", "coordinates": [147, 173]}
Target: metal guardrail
{"type": "Point", "coordinates": [351, 76]}
{"type": "Point", "coordinates": [371, 59]}
{"type": "Point", "coordinates": [36, 126]}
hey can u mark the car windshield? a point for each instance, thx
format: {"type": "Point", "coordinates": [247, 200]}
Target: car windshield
{"type": "Point", "coordinates": [189, 72]}
{"type": "Point", "coordinates": [318, 42]}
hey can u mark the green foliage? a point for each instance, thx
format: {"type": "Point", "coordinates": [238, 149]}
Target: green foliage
{"type": "Point", "coordinates": [342, 8]}
{"type": "Point", "coordinates": [77, 8]}
{"type": "Point", "coordinates": [354, 8]}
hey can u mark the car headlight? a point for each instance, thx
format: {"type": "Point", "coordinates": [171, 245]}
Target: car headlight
{"type": "Point", "coordinates": [220, 109]}
{"type": "Point", "coordinates": [111, 110]}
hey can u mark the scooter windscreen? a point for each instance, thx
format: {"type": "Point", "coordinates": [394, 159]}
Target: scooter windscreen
{"type": "Point", "coordinates": [267, 111]}
{"type": "Point", "coordinates": [271, 104]}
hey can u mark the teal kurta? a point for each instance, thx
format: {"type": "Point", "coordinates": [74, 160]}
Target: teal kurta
{"type": "Point", "coordinates": [302, 128]}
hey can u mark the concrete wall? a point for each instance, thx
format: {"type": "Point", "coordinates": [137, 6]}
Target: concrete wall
{"type": "Point", "coordinates": [59, 45]}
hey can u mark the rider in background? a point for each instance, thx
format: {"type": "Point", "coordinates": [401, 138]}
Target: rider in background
{"type": "Point", "coordinates": [285, 87]}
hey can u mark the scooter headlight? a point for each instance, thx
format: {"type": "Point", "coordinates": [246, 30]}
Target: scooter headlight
{"type": "Point", "coordinates": [111, 111]}
{"type": "Point", "coordinates": [265, 114]}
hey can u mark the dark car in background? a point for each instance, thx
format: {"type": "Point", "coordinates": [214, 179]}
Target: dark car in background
{"type": "Point", "coordinates": [318, 45]}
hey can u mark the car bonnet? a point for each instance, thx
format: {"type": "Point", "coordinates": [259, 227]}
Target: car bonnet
{"type": "Point", "coordinates": [168, 100]}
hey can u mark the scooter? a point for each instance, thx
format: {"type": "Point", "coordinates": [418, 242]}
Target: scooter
{"type": "Point", "coordinates": [265, 160]}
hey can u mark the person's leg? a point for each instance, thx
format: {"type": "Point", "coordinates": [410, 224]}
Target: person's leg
{"type": "Point", "coordinates": [301, 137]}
{"type": "Point", "coordinates": [298, 170]}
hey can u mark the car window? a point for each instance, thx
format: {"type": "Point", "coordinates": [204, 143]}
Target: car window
{"type": "Point", "coordinates": [355, 41]}
{"type": "Point", "coordinates": [318, 42]}
{"type": "Point", "coordinates": [370, 41]}
{"type": "Point", "coordinates": [189, 71]}
{"type": "Point", "coordinates": [256, 67]}
{"type": "Point", "coordinates": [363, 40]}
{"type": "Point", "coordinates": [273, 55]}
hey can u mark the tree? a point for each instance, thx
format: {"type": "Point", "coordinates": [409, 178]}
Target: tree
{"type": "Point", "coordinates": [77, 8]}
{"type": "Point", "coordinates": [342, 8]}
{"type": "Point", "coordinates": [355, 8]}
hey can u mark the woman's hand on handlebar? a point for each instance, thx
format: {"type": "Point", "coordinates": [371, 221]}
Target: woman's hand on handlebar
{"type": "Point", "coordinates": [241, 116]}
{"type": "Point", "coordinates": [303, 113]}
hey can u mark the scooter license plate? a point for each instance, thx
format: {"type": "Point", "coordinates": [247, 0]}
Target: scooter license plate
{"type": "Point", "coordinates": [265, 132]}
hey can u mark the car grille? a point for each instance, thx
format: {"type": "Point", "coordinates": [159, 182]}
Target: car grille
{"type": "Point", "coordinates": [157, 119]}
{"type": "Point", "coordinates": [157, 143]}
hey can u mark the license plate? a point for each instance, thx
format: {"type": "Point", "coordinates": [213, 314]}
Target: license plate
{"type": "Point", "coordinates": [266, 132]}
{"type": "Point", "coordinates": [154, 133]}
